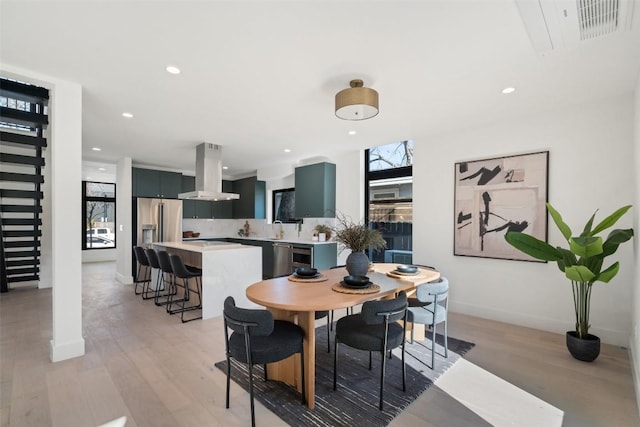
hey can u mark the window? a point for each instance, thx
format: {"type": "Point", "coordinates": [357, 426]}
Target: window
{"type": "Point", "coordinates": [284, 205]}
{"type": "Point", "coordinates": [99, 215]}
{"type": "Point", "coordinates": [389, 199]}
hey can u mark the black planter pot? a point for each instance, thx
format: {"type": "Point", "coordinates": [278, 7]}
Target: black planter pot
{"type": "Point", "coordinates": [585, 349]}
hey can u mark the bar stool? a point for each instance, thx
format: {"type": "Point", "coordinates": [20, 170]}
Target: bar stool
{"type": "Point", "coordinates": [143, 265]}
{"type": "Point", "coordinates": [154, 262]}
{"type": "Point", "coordinates": [168, 279]}
{"type": "Point", "coordinates": [184, 273]}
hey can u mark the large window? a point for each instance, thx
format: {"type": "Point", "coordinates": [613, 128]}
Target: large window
{"type": "Point", "coordinates": [389, 199]}
{"type": "Point", "coordinates": [99, 215]}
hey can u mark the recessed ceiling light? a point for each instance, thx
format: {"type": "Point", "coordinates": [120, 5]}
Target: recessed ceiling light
{"type": "Point", "coordinates": [352, 132]}
{"type": "Point", "coordinates": [225, 167]}
{"type": "Point", "coordinates": [127, 115]}
{"type": "Point", "coordinates": [96, 149]}
{"type": "Point", "coordinates": [286, 150]}
{"type": "Point", "coordinates": [173, 70]}
{"type": "Point", "coordinates": [508, 90]}
{"type": "Point", "coordinates": [101, 169]}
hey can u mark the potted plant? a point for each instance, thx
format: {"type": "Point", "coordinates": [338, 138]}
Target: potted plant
{"type": "Point", "coordinates": [357, 237]}
{"type": "Point", "coordinates": [323, 228]}
{"type": "Point", "coordinates": [582, 263]}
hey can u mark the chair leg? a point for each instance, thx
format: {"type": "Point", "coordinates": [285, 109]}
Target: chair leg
{"type": "Point", "coordinates": [384, 366]}
{"type": "Point", "coordinates": [335, 363]}
{"type": "Point", "coordinates": [304, 387]}
{"type": "Point", "coordinates": [228, 378]}
{"type": "Point", "coordinates": [433, 346]}
{"type": "Point", "coordinates": [370, 359]}
{"type": "Point", "coordinates": [265, 372]}
{"type": "Point", "coordinates": [328, 333]}
{"type": "Point", "coordinates": [446, 344]}
{"type": "Point", "coordinates": [404, 369]}
{"type": "Point", "coordinates": [331, 319]}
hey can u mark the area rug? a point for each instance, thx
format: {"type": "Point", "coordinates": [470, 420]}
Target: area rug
{"type": "Point", "coordinates": [355, 402]}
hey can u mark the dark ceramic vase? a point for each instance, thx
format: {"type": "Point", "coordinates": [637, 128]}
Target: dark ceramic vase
{"type": "Point", "coordinates": [357, 264]}
{"type": "Point", "coordinates": [585, 349]}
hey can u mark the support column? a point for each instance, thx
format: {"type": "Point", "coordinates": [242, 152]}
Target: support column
{"type": "Point", "coordinates": [66, 219]}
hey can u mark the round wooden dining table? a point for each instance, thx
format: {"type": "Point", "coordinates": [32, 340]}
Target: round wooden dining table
{"type": "Point", "coordinates": [298, 301]}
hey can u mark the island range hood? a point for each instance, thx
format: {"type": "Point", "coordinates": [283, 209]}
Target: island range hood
{"type": "Point", "coordinates": [208, 175]}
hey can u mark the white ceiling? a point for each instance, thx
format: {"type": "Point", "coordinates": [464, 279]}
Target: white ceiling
{"type": "Point", "coordinates": [258, 77]}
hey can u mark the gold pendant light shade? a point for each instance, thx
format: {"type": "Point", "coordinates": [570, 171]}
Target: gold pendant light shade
{"type": "Point", "coordinates": [357, 102]}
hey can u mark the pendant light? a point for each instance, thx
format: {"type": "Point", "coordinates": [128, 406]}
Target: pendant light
{"type": "Point", "coordinates": [357, 102]}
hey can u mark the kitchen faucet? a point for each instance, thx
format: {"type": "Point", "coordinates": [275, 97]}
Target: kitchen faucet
{"type": "Point", "coordinates": [280, 234]}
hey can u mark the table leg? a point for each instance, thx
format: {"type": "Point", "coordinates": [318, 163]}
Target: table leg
{"type": "Point", "coordinates": [288, 370]}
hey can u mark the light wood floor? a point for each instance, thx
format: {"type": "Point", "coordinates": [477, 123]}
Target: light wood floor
{"type": "Point", "coordinates": [142, 363]}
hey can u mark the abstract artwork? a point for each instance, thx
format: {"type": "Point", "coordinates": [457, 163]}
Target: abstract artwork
{"type": "Point", "coordinates": [497, 195]}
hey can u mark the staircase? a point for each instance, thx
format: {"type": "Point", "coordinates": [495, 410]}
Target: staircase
{"type": "Point", "coordinates": [23, 118]}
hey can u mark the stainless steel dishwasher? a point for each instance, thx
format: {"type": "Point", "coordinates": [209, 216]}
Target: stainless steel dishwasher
{"type": "Point", "coordinates": [282, 259]}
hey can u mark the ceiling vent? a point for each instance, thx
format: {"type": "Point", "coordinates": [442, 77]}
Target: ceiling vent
{"type": "Point", "coordinates": [561, 24]}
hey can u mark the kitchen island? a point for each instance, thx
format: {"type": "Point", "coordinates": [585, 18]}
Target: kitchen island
{"type": "Point", "coordinates": [227, 270]}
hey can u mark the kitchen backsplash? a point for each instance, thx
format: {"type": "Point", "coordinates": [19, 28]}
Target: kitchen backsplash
{"type": "Point", "coordinates": [258, 227]}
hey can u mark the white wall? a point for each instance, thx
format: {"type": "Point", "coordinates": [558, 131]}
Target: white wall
{"type": "Point", "coordinates": [590, 167]}
{"type": "Point", "coordinates": [635, 339]}
{"type": "Point", "coordinates": [99, 255]}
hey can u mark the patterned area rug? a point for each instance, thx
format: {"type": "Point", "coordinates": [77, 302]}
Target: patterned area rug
{"type": "Point", "coordinates": [355, 402]}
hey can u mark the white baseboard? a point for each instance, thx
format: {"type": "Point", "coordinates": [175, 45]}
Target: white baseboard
{"type": "Point", "coordinates": [607, 336]}
{"type": "Point", "coordinates": [68, 350]}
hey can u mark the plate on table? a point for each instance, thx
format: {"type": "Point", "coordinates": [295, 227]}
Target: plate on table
{"type": "Point", "coordinates": [355, 281]}
{"type": "Point", "coordinates": [346, 285]}
{"type": "Point", "coordinates": [408, 270]}
{"type": "Point", "coordinates": [315, 276]}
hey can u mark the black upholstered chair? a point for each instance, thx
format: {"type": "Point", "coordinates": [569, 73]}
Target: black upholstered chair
{"type": "Point", "coordinates": [187, 276]}
{"type": "Point", "coordinates": [143, 274]}
{"type": "Point", "coordinates": [259, 339]}
{"type": "Point", "coordinates": [430, 308]}
{"type": "Point", "coordinates": [375, 328]}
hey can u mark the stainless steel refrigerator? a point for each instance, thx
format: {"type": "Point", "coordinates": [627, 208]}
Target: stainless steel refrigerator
{"type": "Point", "coordinates": [157, 220]}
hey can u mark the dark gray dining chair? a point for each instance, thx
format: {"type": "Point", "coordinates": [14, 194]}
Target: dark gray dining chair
{"type": "Point", "coordinates": [259, 339]}
{"type": "Point", "coordinates": [375, 328]}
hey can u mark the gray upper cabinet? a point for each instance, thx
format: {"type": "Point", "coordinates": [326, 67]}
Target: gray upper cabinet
{"type": "Point", "coordinates": [155, 183]}
{"type": "Point", "coordinates": [253, 201]}
{"type": "Point", "coordinates": [316, 191]}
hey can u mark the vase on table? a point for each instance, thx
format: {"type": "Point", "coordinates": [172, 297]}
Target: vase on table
{"type": "Point", "coordinates": [357, 263]}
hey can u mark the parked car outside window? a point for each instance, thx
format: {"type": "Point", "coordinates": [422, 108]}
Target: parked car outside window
{"type": "Point", "coordinates": [99, 242]}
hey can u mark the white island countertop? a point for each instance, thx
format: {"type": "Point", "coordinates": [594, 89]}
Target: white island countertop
{"type": "Point", "coordinates": [262, 239]}
{"type": "Point", "coordinates": [201, 245]}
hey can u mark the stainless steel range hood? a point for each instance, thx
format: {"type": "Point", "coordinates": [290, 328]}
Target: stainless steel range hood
{"type": "Point", "coordinates": [208, 175]}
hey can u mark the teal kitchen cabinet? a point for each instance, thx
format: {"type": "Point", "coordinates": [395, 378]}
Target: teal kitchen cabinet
{"type": "Point", "coordinates": [253, 200]}
{"type": "Point", "coordinates": [316, 191]}
{"type": "Point", "coordinates": [155, 183]}
{"type": "Point", "coordinates": [223, 209]}
{"type": "Point", "coordinates": [194, 208]}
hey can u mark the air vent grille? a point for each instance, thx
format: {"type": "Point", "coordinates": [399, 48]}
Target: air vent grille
{"type": "Point", "coordinates": [597, 17]}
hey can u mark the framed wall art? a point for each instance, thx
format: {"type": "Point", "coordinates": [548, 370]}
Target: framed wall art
{"type": "Point", "coordinates": [493, 196]}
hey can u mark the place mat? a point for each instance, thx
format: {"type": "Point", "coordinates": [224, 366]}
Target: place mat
{"type": "Point", "coordinates": [320, 278]}
{"type": "Point", "coordinates": [369, 289]}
